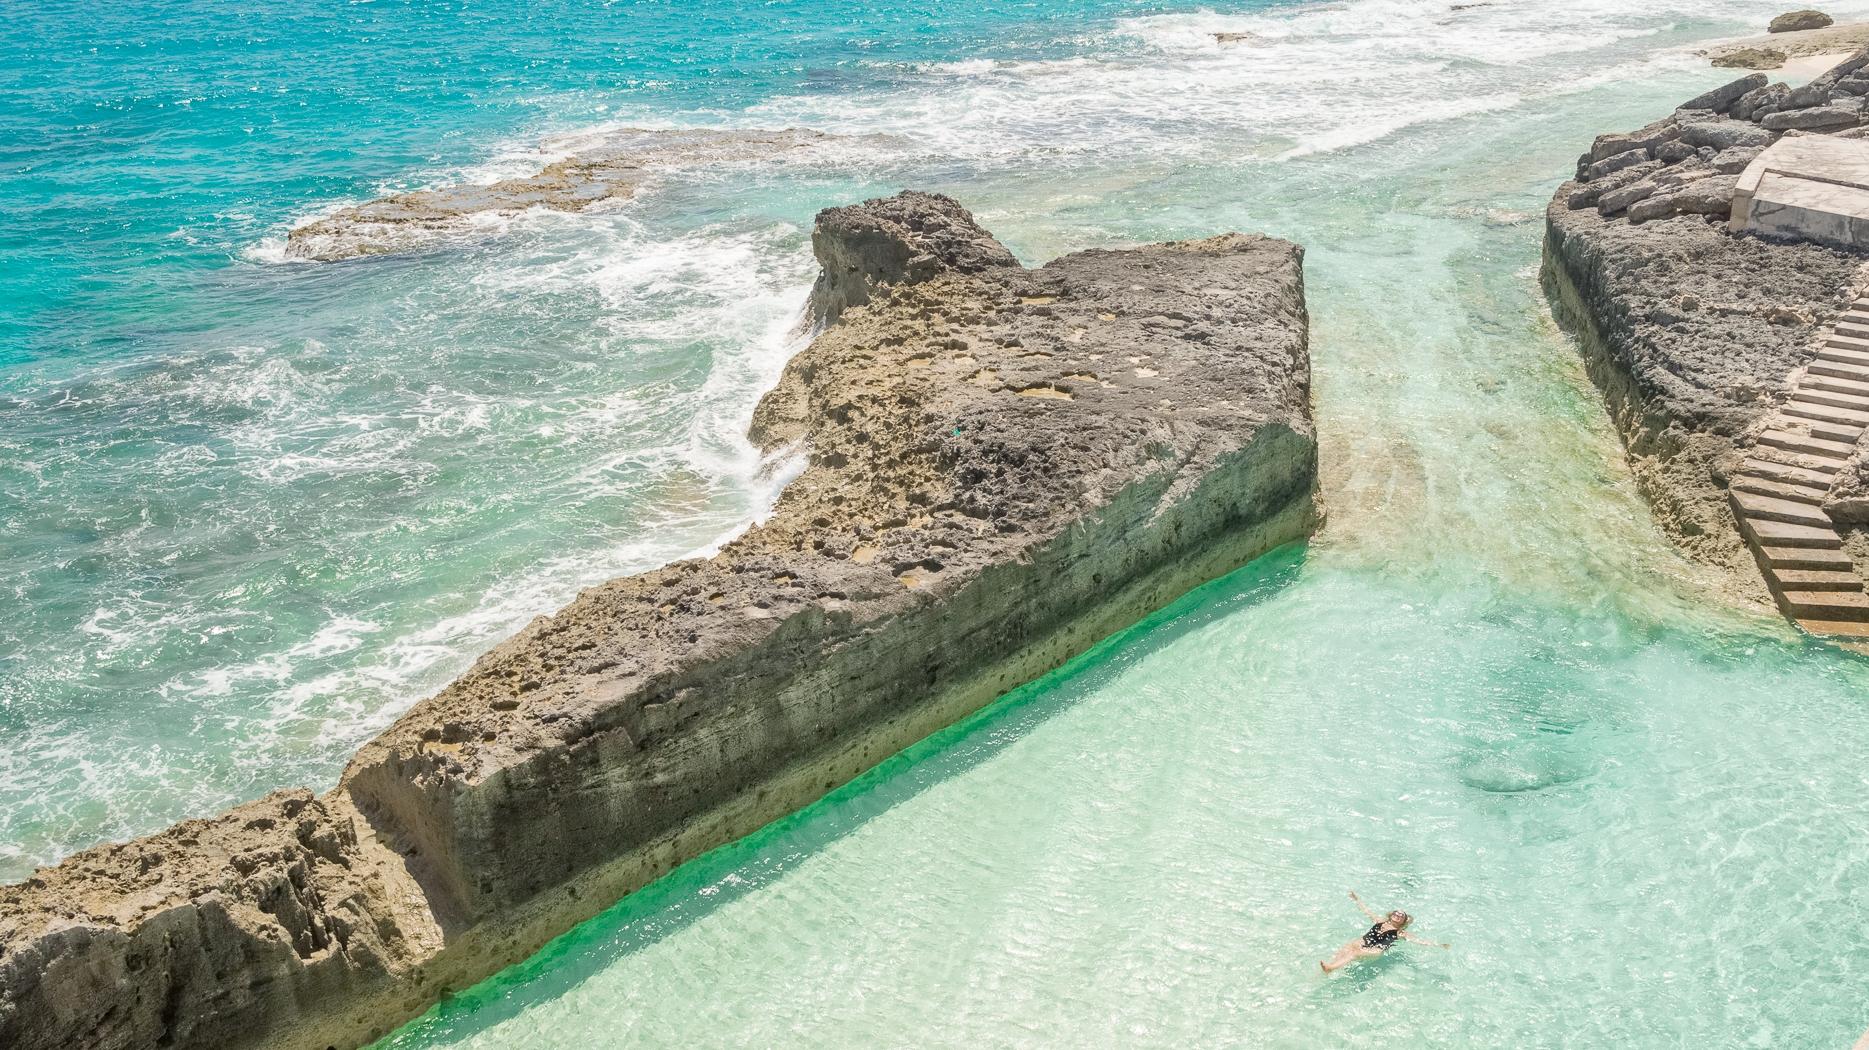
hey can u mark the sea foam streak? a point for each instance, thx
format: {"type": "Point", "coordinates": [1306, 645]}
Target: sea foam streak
{"type": "Point", "coordinates": [345, 547]}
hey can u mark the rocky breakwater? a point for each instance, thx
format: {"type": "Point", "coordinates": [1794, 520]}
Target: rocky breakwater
{"type": "Point", "coordinates": [1693, 334]}
{"type": "Point", "coordinates": [1006, 465]}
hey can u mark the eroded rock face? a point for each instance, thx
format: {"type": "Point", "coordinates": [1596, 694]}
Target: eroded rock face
{"type": "Point", "coordinates": [1690, 333]}
{"type": "Point", "coordinates": [266, 915]}
{"type": "Point", "coordinates": [1006, 466]}
{"type": "Point", "coordinates": [900, 240]}
{"type": "Point", "coordinates": [614, 170]}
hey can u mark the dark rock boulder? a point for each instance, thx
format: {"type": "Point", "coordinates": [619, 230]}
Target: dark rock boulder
{"type": "Point", "coordinates": [1711, 194]}
{"type": "Point", "coordinates": [1589, 194]}
{"type": "Point", "coordinates": [1724, 134]}
{"type": "Point", "coordinates": [1821, 88]}
{"type": "Point", "coordinates": [1798, 21]}
{"type": "Point", "coordinates": [1768, 99]}
{"type": "Point", "coordinates": [1733, 161]}
{"type": "Point", "coordinates": [1611, 165]}
{"type": "Point", "coordinates": [1721, 98]}
{"type": "Point", "coordinates": [1817, 118]}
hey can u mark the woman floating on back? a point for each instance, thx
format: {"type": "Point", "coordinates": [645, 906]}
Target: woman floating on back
{"type": "Point", "coordinates": [1377, 940]}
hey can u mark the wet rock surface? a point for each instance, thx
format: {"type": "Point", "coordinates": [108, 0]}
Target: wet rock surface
{"type": "Point", "coordinates": [1006, 465]}
{"type": "Point", "coordinates": [1750, 58]}
{"type": "Point", "coordinates": [1692, 333]}
{"type": "Point", "coordinates": [613, 170]}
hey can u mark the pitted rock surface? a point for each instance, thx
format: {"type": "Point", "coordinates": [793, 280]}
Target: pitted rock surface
{"type": "Point", "coordinates": [1687, 163]}
{"type": "Point", "coordinates": [1690, 332]}
{"type": "Point", "coordinates": [1005, 466]}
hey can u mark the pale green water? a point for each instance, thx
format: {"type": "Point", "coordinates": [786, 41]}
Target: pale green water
{"type": "Point", "coordinates": [249, 511]}
{"type": "Point", "coordinates": [1489, 693]}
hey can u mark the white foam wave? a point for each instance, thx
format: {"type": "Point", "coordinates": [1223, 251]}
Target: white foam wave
{"type": "Point", "coordinates": [742, 288]}
{"type": "Point", "coordinates": [1283, 83]}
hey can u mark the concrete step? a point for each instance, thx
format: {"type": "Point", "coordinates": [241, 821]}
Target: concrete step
{"type": "Point", "coordinates": [1817, 580]}
{"type": "Point", "coordinates": [1841, 386]}
{"type": "Point", "coordinates": [1818, 394]}
{"type": "Point", "coordinates": [1831, 351]}
{"type": "Point", "coordinates": [1766, 533]}
{"type": "Point", "coordinates": [1789, 473]}
{"type": "Point", "coordinates": [1801, 405]}
{"type": "Point", "coordinates": [1840, 369]}
{"type": "Point", "coordinates": [1825, 605]}
{"type": "Point", "coordinates": [1771, 508]}
{"type": "Point", "coordinates": [1806, 445]}
{"type": "Point", "coordinates": [1844, 433]}
{"type": "Point", "coordinates": [1845, 341]}
{"type": "Point", "coordinates": [1826, 464]}
{"type": "Point", "coordinates": [1851, 330]}
{"type": "Point", "coordinates": [1835, 628]}
{"type": "Point", "coordinates": [1796, 493]}
{"type": "Point", "coordinates": [1805, 558]}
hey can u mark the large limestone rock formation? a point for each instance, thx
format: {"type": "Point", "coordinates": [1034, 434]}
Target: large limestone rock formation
{"type": "Point", "coordinates": [1692, 333]}
{"type": "Point", "coordinates": [1006, 464]}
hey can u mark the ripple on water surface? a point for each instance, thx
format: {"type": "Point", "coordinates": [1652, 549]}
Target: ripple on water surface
{"type": "Point", "coordinates": [253, 509]}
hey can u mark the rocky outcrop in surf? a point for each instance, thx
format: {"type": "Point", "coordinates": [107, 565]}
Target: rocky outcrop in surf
{"type": "Point", "coordinates": [1770, 50]}
{"type": "Point", "coordinates": [612, 170]}
{"type": "Point", "coordinates": [1006, 465]}
{"type": "Point", "coordinates": [1691, 332]}
{"type": "Point", "coordinates": [1799, 21]}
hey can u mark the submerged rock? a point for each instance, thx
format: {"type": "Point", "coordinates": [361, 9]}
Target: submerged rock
{"type": "Point", "coordinates": [614, 170]}
{"type": "Point", "coordinates": [1750, 58]}
{"type": "Point", "coordinates": [1006, 465]}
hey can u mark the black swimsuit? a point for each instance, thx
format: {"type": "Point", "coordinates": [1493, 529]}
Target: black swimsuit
{"type": "Point", "coordinates": [1379, 938]}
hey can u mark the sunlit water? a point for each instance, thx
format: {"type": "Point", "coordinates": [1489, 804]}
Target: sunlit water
{"type": "Point", "coordinates": [252, 509]}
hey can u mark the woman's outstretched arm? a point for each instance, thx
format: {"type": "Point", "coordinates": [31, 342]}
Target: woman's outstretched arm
{"type": "Point", "coordinates": [1432, 944]}
{"type": "Point", "coordinates": [1364, 907]}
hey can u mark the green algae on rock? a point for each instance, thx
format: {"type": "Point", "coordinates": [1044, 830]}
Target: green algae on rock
{"type": "Point", "coordinates": [1006, 465]}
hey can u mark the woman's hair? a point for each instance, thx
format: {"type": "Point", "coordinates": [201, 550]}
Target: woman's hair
{"type": "Point", "coordinates": [1401, 918]}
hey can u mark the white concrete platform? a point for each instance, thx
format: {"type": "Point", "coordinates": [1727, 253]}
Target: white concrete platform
{"type": "Point", "coordinates": [1807, 187]}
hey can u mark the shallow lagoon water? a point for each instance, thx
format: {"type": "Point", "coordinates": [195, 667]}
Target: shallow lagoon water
{"type": "Point", "coordinates": [1489, 692]}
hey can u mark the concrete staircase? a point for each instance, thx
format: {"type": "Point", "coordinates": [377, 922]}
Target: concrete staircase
{"type": "Point", "coordinates": [1778, 495]}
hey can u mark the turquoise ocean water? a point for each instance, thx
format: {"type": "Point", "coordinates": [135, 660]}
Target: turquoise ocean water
{"type": "Point", "coordinates": [251, 509]}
